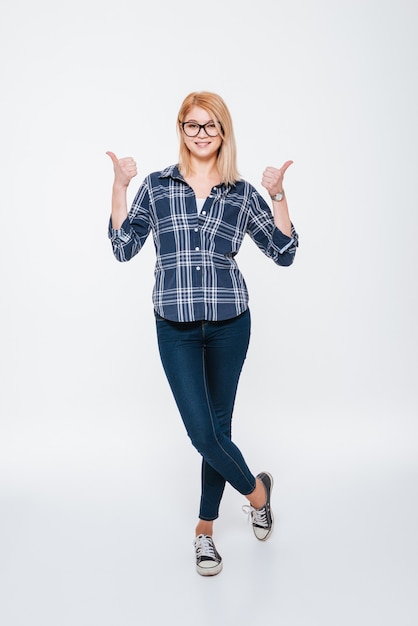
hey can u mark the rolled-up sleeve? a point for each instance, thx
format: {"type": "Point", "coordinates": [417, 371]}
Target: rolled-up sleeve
{"type": "Point", "coordinates": [276, 245]}
{"type": "Point", "coordinates": [128, 240]}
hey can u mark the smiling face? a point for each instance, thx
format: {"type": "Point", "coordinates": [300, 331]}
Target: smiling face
{"type": "Point", "coordinates": [202, 146]}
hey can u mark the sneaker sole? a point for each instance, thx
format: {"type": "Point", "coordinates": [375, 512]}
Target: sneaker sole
{"type": "Point", "coordinates": [271, 512]}
{"type": "Point", "coordinates": [209, 571]}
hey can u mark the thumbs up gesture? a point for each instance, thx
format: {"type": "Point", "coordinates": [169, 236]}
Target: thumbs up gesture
{"type": "Point", "coordinates": [273, 178]}
{"type": "Point", "coordinates": [125, 169]}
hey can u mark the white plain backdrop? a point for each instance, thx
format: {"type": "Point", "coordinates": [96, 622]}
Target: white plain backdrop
{"type": "Point", "coordinates": [99, 484]}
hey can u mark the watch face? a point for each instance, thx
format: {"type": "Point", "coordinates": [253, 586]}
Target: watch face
{"type": "Point", "coordinates": [278, 197]}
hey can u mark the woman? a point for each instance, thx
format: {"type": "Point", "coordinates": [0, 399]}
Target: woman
{"type": "Point", "coordinates": [198, 212]}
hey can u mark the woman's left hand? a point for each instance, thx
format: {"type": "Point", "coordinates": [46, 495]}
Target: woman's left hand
{"type": "Point", "coordinates": [273, 178]}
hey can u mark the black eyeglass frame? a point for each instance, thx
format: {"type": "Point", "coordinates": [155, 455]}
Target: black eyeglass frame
{"type": "Point", "coordinates": [216, 124]}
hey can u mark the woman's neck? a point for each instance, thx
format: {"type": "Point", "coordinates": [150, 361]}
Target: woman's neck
{"type": "Point", "coordinates": [203, 176]}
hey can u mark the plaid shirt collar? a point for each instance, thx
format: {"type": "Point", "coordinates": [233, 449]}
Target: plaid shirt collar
{"type": "Point", "coordinates": [173, 172]}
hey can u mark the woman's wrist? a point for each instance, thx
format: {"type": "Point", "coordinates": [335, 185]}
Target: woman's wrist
{"type": "Point", "coordinates": [119, 186]}
{"type": "Point", "coordinates": [281, 216]}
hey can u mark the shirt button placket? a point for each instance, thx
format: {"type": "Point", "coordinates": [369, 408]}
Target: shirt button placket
{"type": "Point", "coordinates": [196, 246]}
{"type": "Point", "coordinates": [203, 214]}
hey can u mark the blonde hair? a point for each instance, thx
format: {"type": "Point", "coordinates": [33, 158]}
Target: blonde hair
{"type": "Point", "coordinates": [217, 109]}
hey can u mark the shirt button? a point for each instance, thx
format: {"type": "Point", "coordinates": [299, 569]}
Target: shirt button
{"type": "Point", "coordinates": [197, 248]}
{"type": "Point", "coordinates": [203, 212]}
{"type": "Point", "coordinates": [214, 189]}
{"type": "Point", "coordinates": [196, 230]}
{"type": "Point", "coordinates": [198, 267]}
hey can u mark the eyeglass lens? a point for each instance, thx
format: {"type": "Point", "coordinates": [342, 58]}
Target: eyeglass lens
{"type": "Point", "coordinates": [192, 129]}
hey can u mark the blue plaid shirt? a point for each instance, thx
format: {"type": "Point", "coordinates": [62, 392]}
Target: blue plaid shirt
{"type": "Point", "coordinates": [196, 274]}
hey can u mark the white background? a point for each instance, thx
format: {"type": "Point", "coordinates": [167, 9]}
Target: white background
{"type": "Point", "coordinates": [99, 484]}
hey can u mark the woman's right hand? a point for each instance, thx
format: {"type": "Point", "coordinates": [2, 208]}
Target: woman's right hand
{"type": "Point", "coordinates": [125, 169]}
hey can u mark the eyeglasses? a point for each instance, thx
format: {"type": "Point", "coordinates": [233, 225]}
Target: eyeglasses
{"type": "Point", "coordinates": [192, 129]}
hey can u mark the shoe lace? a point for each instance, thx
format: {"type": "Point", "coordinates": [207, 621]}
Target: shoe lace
{"type": "Point", "coordinates": [204, 546]}
{"type": "Point", "coordinates": [256, 516]}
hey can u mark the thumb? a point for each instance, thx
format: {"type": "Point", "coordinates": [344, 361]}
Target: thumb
{"type": "Point", "coordinates": [285, 166]}
{"type": "Point", "coordinates": [113, 157]}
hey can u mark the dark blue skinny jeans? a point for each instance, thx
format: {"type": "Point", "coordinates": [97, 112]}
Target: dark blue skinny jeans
{"type": "Point", "coordinates": [203, 362]}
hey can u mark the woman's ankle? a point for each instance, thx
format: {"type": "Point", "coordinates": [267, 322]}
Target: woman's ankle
{"type": "Point", "coordinates": [204, 527]}
{"type": "Point", "coordinates": [257, 498]}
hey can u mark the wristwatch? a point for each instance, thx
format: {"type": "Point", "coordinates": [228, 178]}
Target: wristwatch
{"type": "Point", "coordinates": [278, 196]}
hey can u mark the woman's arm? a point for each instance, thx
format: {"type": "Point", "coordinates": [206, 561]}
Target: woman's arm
{"type": "Point", "coordinates": [273, 181]}
{"type": "Point", "coordinates": [274, 234]}
{"type": "Point", "coordinates": [125, 170]}
{"type": "Point", "coordinates": [127, 231]}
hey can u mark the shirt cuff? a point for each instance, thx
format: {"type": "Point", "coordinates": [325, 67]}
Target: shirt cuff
{"type": "Point", "coordinates": [122, 234]}
{"type": "Point", "coordinates": [282, 241]}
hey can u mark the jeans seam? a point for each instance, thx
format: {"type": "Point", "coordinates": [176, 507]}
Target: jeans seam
{"type": "Point", "coordinates": [211, 421]}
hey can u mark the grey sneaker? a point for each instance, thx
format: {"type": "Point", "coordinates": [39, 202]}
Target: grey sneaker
{"type": "Point", "coordinates": [262, 519]}
{"type": "Point", "coordinates": [208, 559]}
